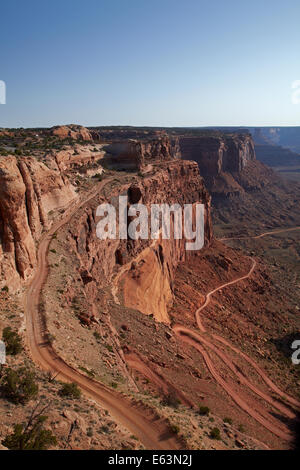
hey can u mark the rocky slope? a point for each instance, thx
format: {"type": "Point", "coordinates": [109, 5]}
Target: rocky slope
{"type": "Point", "coordinates": [274, 156]}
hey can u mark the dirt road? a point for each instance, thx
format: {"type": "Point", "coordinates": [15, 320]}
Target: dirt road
{"type": "Point", "coordinates": [136, 362]}
{"type": "Point", "coordinates": [196, 340]}
{"type": "Point", "coordinates": [265, 234]}
{"type": "Point", "coordinates": [226, 284]}
{"type": "Point", "coordinates": [152, 431]}
{"type": "Point", "coordinates": [262, 374]}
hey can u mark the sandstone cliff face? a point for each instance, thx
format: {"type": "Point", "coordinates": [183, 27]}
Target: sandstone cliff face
{"type": "Point", "coordinates": [81, 157]}
{"type": "Point", "coordinates": [245, 192]}
{"type": "Point", "coordinates": [161, 149]}
{"type": "Point", "coordinates": [136, 154]}
{"type": "Point", "coordinates": [148, 281]}
{"type": "Point", "coordinates": [140, 272]}
{"type": "Point", "coordinates": [218, 154]}
{"type": "Point", "coordinates": [221, 160]}
{"type": "Point", "coordinates": [28, 191]}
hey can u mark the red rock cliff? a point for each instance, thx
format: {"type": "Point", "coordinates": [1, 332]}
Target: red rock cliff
{"type": "Point", "coordinates": [136, 154]}
{"type": "Point", "coordinates": [28, 191]}
{"type": "Point", "coordinates": [221, 159]}
{"type": "Point", "coordinates": [140, 272]}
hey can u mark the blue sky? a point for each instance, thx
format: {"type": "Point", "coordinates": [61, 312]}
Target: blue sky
{"type": "Point", "coordinates": [149, 62]}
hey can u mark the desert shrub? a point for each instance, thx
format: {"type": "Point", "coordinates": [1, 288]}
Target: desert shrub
{"type": "Point", "coordinates": [70, 390]}
{"type": "Point", "coordinates": [51, 338]}
{"type": "Point", "coordinates": [227, 420]}
{"type": "Point", "coordinates": [12, 341]}
{"type": "Point", "coordinates": [170, 400]}
{"type": "Point", "coordinates": [91, 373]}
{"type": "Point", "coordinates": [104, 429]}
{"type": "Point", "coordinates": [114, 384]}
{"type": "Point", "coordinates": [174, 428]}
{"type": "Point", "coordinates": [30, 437]}
{"type": "Point", "coordinates": [3, 152]}
{"type": "Point", "coordinates": [241, 428]}
{"type": "Point", "coordinates": [97, 335]}
{"type": "Point", "coordinates": [5, 289]}
{"type": "Point", "coordinates": [204, 410]}
{"type": "Point", "coordinates": [215, 434]}
{"type": "Point", "coordinates": [98, 176]}
{"type": "Point", "coordinates": [18, 385]}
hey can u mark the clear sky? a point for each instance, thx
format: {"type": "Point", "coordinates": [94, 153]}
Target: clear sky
{"type": "Point", "coordinates": [149, 62]}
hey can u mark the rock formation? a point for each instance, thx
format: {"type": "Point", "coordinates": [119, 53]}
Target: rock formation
{"type": "Point", "coordinates": [136, 154]}
{"type": "Point", "coordinates": [148, 282]}
{"type": "Point", "coordinates": [220, 159]}
{"type": "Point", "coordinates": [145, 268]}
{"type": "Point", "coordinates": [72, 131]}
{"type": "Point", "coordinates": [28, 192]}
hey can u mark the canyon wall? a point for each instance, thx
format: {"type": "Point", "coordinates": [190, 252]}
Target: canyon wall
{"type": "Point", "coordinates": [245, 192]}
{"type": "Point", "coordinates": [29, 190]}
{"type": "Point", "coordinates": [32, 187]}
{"type": "Point", "coordinates": [218, 154]}
{"type": "Point", "coordinates": [136, 154]}
{"type": "Point", "coordinates": [272, 154]}
{"type": "Point", "coordinates": [147, 284]}
{"type": "Point", "coordinates": [228, 163]}
{"type": "Point", "coordinates": [288, 137]}
{"type": "Point", "coordinates": [140, 272]}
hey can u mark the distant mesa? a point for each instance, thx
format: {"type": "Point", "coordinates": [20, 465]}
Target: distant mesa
{"type": "Point", "coordinates": [72, 131]}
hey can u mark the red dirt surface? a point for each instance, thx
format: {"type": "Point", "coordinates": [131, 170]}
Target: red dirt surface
{"type": "Point", "coordinates": [152, 432]}
{"type": "Point", "coordinates": [205, 340]}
